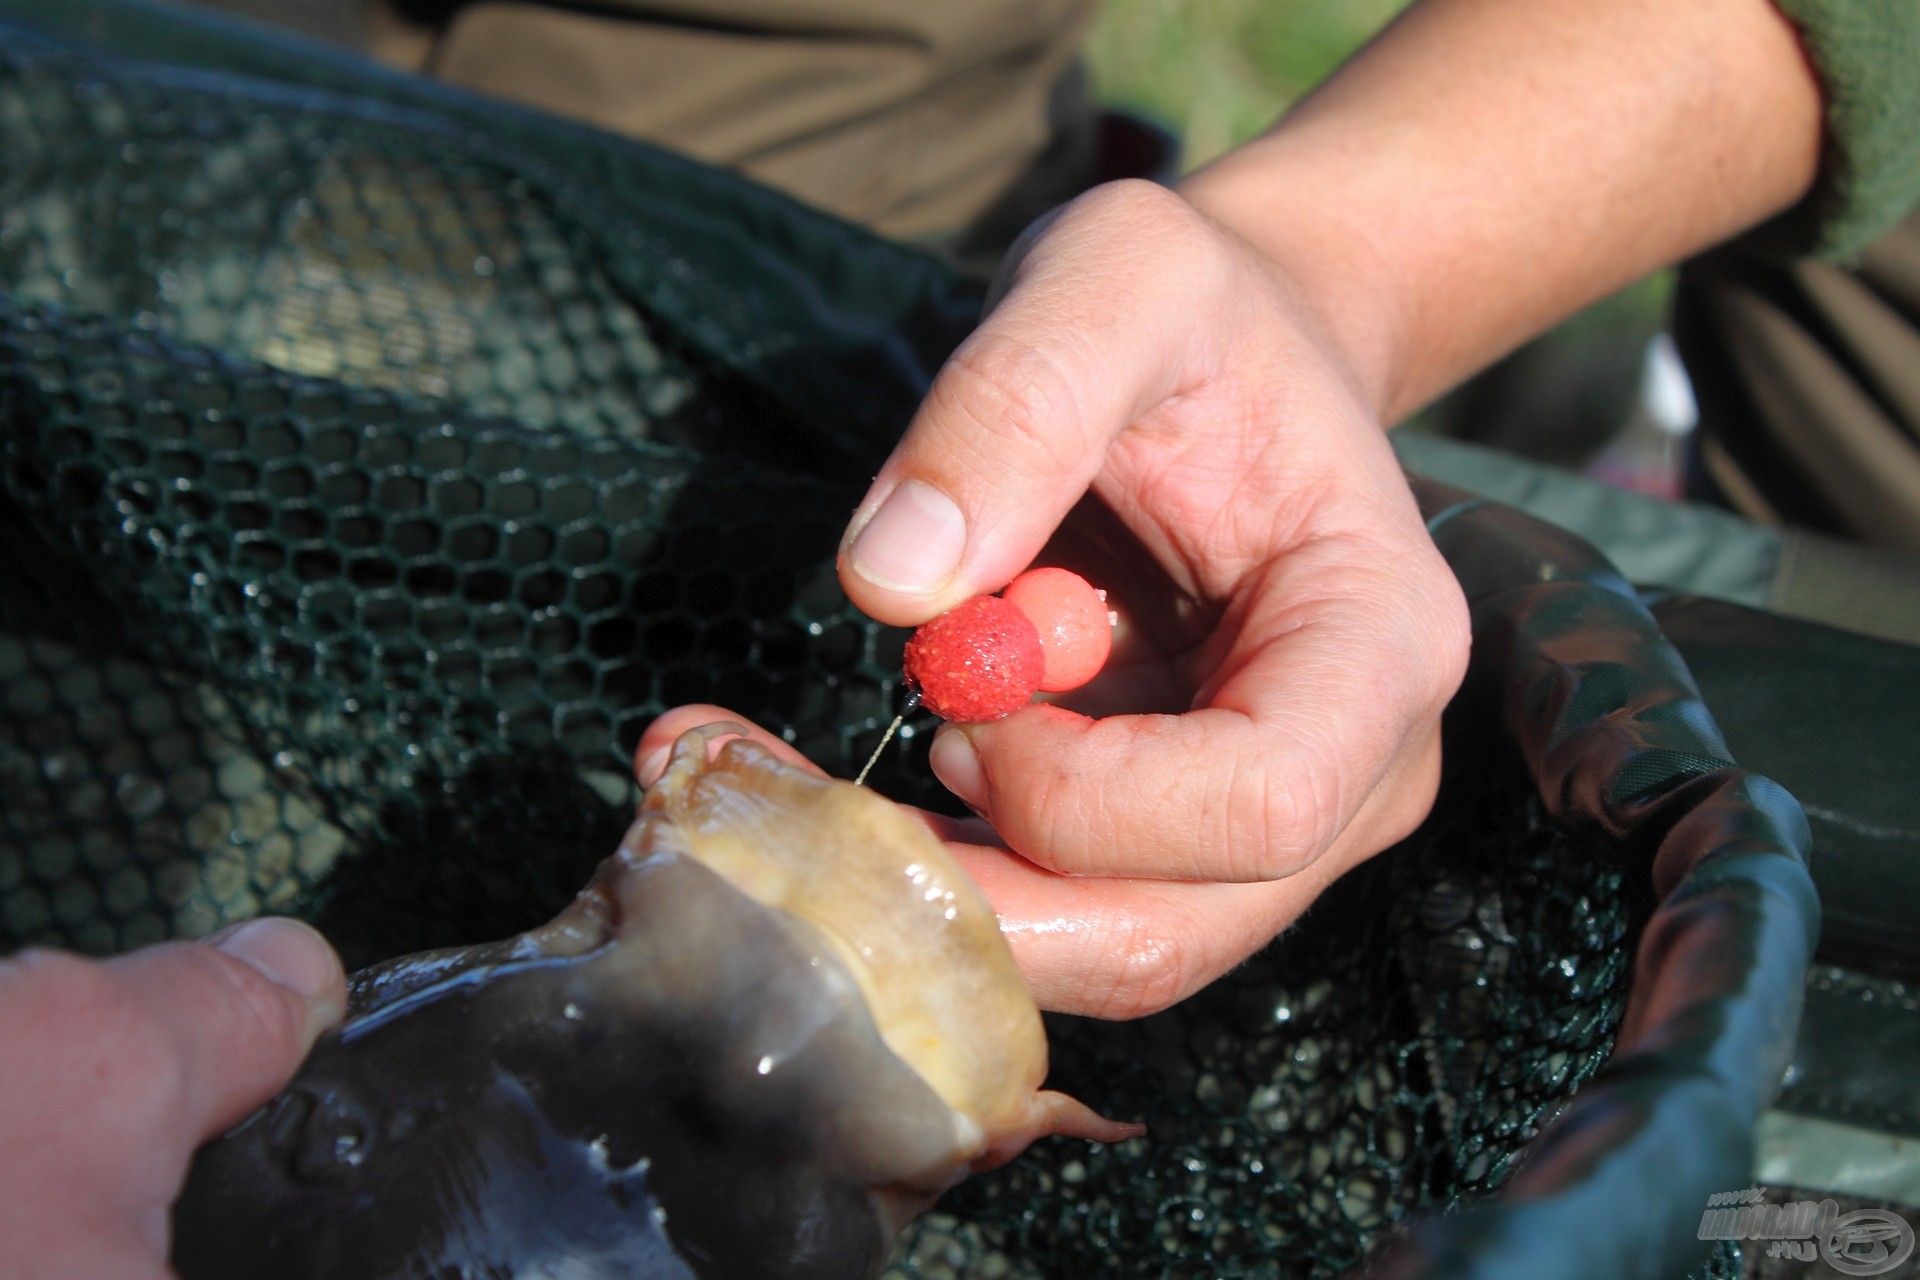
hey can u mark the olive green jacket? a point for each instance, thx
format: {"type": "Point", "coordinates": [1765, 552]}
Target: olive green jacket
{"type": "Point", "coordinates": [1867, 54]}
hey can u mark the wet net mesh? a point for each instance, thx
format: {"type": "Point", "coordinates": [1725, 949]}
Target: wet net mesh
{"type": "Point", "coordinates": [357, 515]}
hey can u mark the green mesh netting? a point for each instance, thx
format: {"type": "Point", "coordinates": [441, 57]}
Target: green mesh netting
{"type": "Point", "coordinates": [359, 510]}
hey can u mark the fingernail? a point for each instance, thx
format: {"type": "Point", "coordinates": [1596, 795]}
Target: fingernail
{"type": "Point", "coordinates": [283, 951]}
{"type": "Point", "coordinates": [913, 543]}
{"type": "Point", "coordinates": [957, 765]}
{"type": "Point", "coordinates": [652, 767]}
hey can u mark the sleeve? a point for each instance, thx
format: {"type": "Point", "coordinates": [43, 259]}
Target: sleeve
{"type": "Point", "coordinates": [1867, 55]}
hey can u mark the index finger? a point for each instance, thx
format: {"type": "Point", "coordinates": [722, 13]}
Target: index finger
{"type": "Point", "coordinates": [1094, 332]}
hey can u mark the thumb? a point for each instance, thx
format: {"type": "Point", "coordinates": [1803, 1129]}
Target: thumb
{"type": "Point", "coordinates": [1018, 422]}
{"type": "Point", "coordinates": [236, 1013]}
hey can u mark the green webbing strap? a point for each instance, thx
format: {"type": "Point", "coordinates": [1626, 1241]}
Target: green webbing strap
{"type": "Point", "coordinates": [1857, 588]}
{"type": "Point", "coordinates": [1692, 548]}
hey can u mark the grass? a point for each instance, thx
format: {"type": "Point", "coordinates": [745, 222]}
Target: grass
{"type": "Point", "coordinates": [1220, 71]}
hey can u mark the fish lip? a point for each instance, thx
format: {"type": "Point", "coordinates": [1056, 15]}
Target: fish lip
{"type": "Point", "coordinates": [691, 755]}
{"type": "Point", "coordinates": [656, 941]}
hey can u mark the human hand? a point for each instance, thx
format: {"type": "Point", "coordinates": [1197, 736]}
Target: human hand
{"type": "Point", "coordinates": [1214, 367]}
{"type": "Point", "coordinates": [115, 1071]}
{"type": "Point", "coordinates": [1213, 370]}
{"type": "Point", "coordinates": [1288, 633]}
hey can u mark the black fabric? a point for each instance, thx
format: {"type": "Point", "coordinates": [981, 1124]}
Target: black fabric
{"type": "Point", "coordinates": [1834, 717]}
{"type": "Point", "coordinates": [1853, 1060]}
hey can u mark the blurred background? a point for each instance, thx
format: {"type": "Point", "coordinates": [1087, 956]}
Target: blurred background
{"type": "Point", "coordinates": [1601, 394]}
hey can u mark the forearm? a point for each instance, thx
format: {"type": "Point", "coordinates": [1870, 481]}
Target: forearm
{"type": "Point", "coordinates": [1486, 167]}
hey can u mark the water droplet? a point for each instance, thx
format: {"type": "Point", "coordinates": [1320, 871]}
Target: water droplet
{"type": "Point", "coordinates": [140, 795]}
{"type": "Point", "coordinates": [62, 766]}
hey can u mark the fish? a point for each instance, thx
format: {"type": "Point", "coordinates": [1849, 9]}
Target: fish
{"type": "Point", "coordinates": [778, 1023]}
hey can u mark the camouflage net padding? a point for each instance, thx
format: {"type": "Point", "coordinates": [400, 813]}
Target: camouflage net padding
{"type": "Point", "coordinates": [358, 515]}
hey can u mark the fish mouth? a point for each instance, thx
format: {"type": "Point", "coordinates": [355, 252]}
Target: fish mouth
{"type": "Point", "coordinates": [777, 1023]}
{"type": "Point", "coordinates": [880, 890]}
